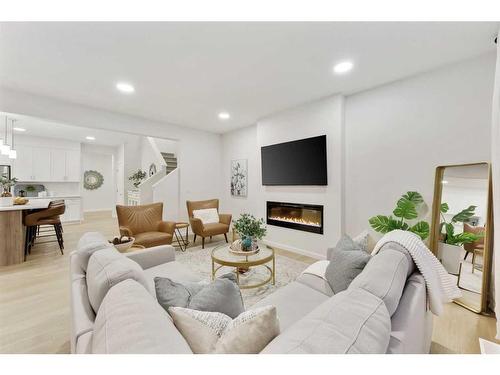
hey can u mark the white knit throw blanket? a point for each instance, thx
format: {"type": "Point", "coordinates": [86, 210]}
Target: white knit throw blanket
{"type": "Point", "coordinates": [440, 286]}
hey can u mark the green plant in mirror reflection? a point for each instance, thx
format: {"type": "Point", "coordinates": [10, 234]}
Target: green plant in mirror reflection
{"type": "Point", "coordinates": [447, 229]}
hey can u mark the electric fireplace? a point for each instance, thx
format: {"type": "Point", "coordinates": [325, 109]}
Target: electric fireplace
{"type": "Point", "coordinates": [305, 217]}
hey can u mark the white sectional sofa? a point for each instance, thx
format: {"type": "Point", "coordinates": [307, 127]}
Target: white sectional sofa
{"type": "Point", "coordinates": [381, 312]}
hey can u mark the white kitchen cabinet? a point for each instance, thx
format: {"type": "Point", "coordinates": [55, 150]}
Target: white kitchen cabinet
{"type": "Point", "coordinates": [22, 166]}
{"type": "Point", "coordinates": [32, 164]}
{"type": "Point", "coordinates": [73, 160]}
{"type": "Point", "coordinates": [65, 165]}
{"type": "Point", "coordinates": [44, 164]}
{"type": "Point", "coordinates": [73, 211]}
{"type": "Point", "coordinates": [57, 165]}
{"type": "Point", "coordinates": [41, 164]}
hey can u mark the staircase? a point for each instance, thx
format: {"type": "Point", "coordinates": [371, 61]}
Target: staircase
{"type": "Point", "coordinates": [171, 161]}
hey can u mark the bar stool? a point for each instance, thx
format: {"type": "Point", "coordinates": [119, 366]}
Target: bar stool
{"type": "Point", "coordinates": [43, 218]}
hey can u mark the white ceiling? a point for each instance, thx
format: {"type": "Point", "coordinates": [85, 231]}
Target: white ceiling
{"type": "Point", "coordinates": [185, 73]}
{"type": "Point", "coordinates": [41, 128]}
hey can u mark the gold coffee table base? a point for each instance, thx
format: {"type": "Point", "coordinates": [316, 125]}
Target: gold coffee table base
{"type": "Point", "coordinates": [271, 277]}
{"type": "Point", "coordinates": [222, 257]}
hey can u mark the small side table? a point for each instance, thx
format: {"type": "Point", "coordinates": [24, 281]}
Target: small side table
{"type": "Point", "coordinates": [181, 241]}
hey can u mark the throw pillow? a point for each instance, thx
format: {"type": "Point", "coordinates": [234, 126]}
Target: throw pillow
{"type": "Point", "coordinates": [222, 295]}
{"type": "Point", "coordinates": [213, 332]}
{"type": "Point", "coordinates": [207, 215]}
{"type": "Point", "coordinates": [362, 239]}
{"type": "Point", "coordinates": [347, 260]}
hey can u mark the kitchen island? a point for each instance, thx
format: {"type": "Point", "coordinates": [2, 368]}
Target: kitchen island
{"type": "Point", "coordinates": [12, 231]}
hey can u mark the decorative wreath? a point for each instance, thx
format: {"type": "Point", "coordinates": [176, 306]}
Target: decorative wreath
{"type": "Point", "coordinates": [92, 180]}
{"type": "Point", "coordinates": [152, 169]}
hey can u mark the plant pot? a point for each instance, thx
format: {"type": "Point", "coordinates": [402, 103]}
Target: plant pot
{"type": "Point", "coordinates": [450, 256]}
{"type": "Point", "coordinates": [6, 201]}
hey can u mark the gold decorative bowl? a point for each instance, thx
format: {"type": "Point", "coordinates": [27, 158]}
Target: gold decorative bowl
{"type": "Point", "coordinates": [236, 249]}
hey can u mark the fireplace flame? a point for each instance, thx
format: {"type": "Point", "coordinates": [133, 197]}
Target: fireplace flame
{"type": "Point", "coordinates": [296, 220]}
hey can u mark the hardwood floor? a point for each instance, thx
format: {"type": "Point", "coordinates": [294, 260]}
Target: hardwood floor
{"type": "Point", "coordinates": [34, 296]}
{"type": "Point", "coordinates": [34, 301]}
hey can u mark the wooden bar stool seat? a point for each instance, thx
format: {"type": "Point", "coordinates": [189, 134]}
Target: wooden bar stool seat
{"type": "Point", "coordinates": [36, 224]}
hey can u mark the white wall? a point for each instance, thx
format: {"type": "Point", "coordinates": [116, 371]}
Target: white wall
{"type": "Point", "coordinates": [318, 118]}
{"type": "Point", "coordinates": [166, 145]}
{"type": "Point", "coordinates": [242, 144]}
{"type": "Point", "coordinates": [167, 190]}
{"type": "Point", "coordinates": [150, 155]}
{"type": "Point", "coordinates": [199, 152]}
{"type": "Point", "coordinates": [100, 159]}
{"type": "Point", "coordinates": [397, 134]}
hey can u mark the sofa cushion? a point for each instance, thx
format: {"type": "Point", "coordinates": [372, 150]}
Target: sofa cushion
{"type": "Point", "coordinates": [173, 270]}
{"type": "Point", "coordinates": [353, 321]}
{"type": "Point", "coordinates": [213, 332]}
{"type": "Point", "coordinates": [107, 268]}
{"type": "Point", "coordinates": [207, 215]}
{"type": "Point", "coordinates": [385, 276]}
{"type": "Point", "coordinates": [293, 302]}
{"type": "Point", "coordinates": [151, 239]}
{"type": "Point", "coordinates": [89, 243]}
{"type": "Point", "coordinates": [130, 321]}
{"type": "Point", "coordinates": [411, 324]}
{"type": "Point", "coordinates": [215, 228]}
{"type": "Point", "coordinates": [223, 295]}
{"type": "Point", "coordinates": [397, 247]}
{"type": "Point", "coordinates": [348, 259]}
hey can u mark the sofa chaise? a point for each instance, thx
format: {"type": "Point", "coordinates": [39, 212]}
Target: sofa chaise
{"type": "Point", "coordinates": [384, 310]}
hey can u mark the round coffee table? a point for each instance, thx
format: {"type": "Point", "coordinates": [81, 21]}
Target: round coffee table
{"type": "Point", "coordinates": [222, 257]}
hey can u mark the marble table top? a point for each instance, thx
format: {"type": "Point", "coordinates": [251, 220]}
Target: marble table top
{"type": "Point", "coordinates": [34, 204]}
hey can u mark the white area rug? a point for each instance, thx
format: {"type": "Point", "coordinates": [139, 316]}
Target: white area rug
{"type": "Point", "coordinates": [199, 261]}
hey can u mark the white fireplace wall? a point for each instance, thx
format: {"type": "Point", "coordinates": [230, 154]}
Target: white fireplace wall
{"type": "Point", "coordinates": [318, 118]}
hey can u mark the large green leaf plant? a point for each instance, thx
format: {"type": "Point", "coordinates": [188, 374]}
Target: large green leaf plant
{"type": "Point", "coordinates": [447, 229]}
{"type": "Point", "coordinates": [407, 209]}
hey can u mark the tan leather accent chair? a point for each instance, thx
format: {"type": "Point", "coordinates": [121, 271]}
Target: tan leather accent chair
{"type": "Point", "coordinates": [145, 223]}
{"type": "Point", "coordinates": [476, 247]}
{"type": "Point", "coordinates": [207, 230]}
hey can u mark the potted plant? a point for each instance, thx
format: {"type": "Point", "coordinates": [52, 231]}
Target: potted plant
{"type": "Point", "coordinates": [450, 243]}
{"type": "Point", "coordinates": [6, 197]}
{"type": "Point", "coordinates": [250, 230]}
{"type": "Point", "coordinates": [406, 212]}
{"type": "Point", "coordinates": [137, 177]}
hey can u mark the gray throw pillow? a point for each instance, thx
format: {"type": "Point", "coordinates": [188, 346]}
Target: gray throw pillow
{"type": "Point", "coordinates": [347, 260]}
{"type": "Point", "coordinates": [221, 295]}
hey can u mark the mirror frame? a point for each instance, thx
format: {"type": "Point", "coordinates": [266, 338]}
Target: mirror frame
{"type": "Point", "coordinates": [487, 255]}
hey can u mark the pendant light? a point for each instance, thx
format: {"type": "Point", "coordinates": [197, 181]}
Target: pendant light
{"type": "Point", "coordinates": [12, 152]}
{"type": "Point", "coordinates": [4, 147]}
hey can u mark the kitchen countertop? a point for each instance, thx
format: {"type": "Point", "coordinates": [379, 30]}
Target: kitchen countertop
{"type": "Point", "coordinates": [36, 204]}
{"type": "Point", "coordinates": [57, 197]}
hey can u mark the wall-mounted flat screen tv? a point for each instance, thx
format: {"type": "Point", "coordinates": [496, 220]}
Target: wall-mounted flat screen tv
{"type": "Point", "coordinates": [301, 162]}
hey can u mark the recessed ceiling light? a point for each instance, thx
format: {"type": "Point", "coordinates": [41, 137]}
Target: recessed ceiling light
{"type": "Point", "coordinates": [343, 67]}
{"type": "Point", "coordinates": [20, 129]}
{"type": "Point", "coordinates": [444, 182]}
{"type": "Point", "coordinates": [90, 138]}
{"type": "Point", "coordinates": [124, 87]}
{"type": "Point", "coordinates": [224, 116]}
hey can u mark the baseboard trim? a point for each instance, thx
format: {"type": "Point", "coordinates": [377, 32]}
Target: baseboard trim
{"type": "Point", "coordinates": [295, 250]}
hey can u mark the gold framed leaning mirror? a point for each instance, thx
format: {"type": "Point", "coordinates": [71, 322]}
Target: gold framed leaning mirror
{"type": "Point", "coordinates": [462, 229]}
